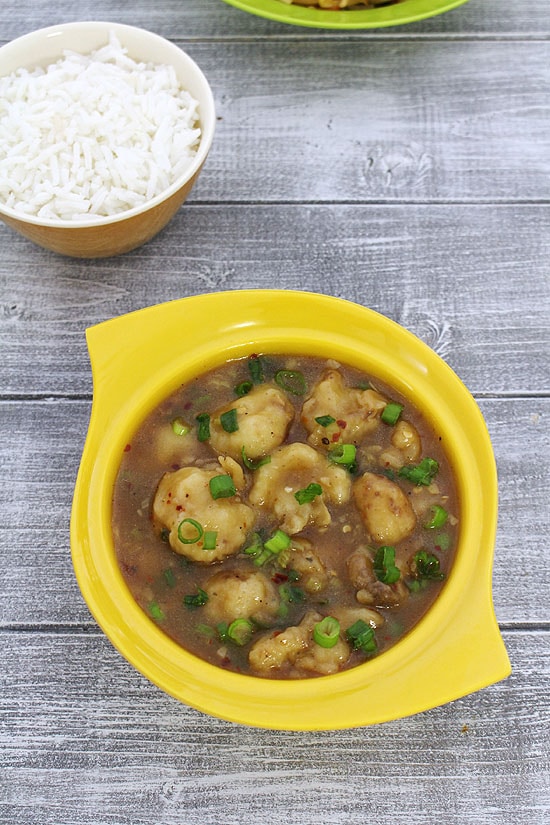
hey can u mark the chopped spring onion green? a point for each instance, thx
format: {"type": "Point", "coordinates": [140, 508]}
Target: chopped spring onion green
{"type": "Point", "coordinates": [165, 535]}
{"type": "Point", "coordinates": [183, 535]}
{"type": "Point", "coordinates": [327, 632]}
{"type": "Point", "coordinates": [229, 422]}
{"type": "Point", "coordinates": [264, 556]}
{"type": "Point", "coordinates": [243, 388]}
{"type": "Point", "coordinates": [391, 413]}
{"type": "Point", "coordinates": [256, 369]}
{"type": "Point", "coordinates": [442, 541]}
{"type": "Point", "coordinates": [222, 487]}
{"type": "Point", "coordinates": [196, 599]}
{"type": "Point", "coordinates": [256, 547]}
{"type": "Point", "coordinates": [292, 381]}
{"type": "Point", "coordinates": [343, 454]}
{"type": "Point", "coordinates": [253, 464]}
{"type": "Point", "coordinates": [240, 632]}
{"type": "Point", "coordinates": [438, 518]}
{"type": "Point", "coordinates": [209, 540]}
{"type": "Point", "coordinates": [325, 420]}
{"type": "Point", "coordinates": [203, 432]}
{"type": "Point", "coordinates": [384, 565]}
{"type": "Point", "coordinates": [278, 541]}
{"type": "Point", "coordinates": [310, 492]}
{"type": "Point", "coordinates": [361, 637]}
{"type": "Point", "coordinates": [289, 593]}
{"type": "Point", "coordinates": [420, 474]}
{"type": "Point", "coordinates": [169, 577]}
{"type": "Point", "coordinates": [155, 611]}
{"type": "Point", "coordinates": [180, 427]}
{"type": "Point", "coordinates": [426, 566]}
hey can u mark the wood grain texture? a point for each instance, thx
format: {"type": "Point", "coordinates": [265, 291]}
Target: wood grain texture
{"type": "Point", "coordinates": [40, 462]}
{"type": "Point", "coordinates": [406, 169]}
{"type": "Point", "coordinates": [93, 742]}
{"type": "Point", "coordinates": [206, 19]}
{"type": "Point", "coordinates": [471, 281]}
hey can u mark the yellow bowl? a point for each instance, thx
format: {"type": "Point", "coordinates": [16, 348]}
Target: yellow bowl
{"type": "Point", "coordinates": [139, 359]}
{"type": "Point", "coordinates": [113, 235]}
{"type": "Point", "coordinates": [398, 14]}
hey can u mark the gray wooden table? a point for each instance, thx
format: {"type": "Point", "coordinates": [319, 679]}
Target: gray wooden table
{"type": "Point", "coordinates": [407, 169]}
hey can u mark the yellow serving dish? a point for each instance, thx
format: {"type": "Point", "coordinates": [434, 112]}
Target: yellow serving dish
{"type": "Point", "coordinates": [139, 359]}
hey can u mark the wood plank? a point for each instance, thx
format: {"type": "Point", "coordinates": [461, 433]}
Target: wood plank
{"type": "Point", "coordinates": [382, 126]}
{"type": "Point", "coordinates": [85, 739]}
{"type": "Point", "coordinates": [40, 460]}
{"type": "Point", "coordinates": [471, 281]}
{"type": "Point", "coordinates": [195, 19]}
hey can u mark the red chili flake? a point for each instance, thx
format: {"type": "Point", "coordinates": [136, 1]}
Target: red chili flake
{"type": "Point", "coordinates": [279, 578]}
{"type": "Point", "coordinates": [127, 448]}
{"type": "Point", "coordinates": [335, 437]}
{"type": "Point", "coordinates": [342, 424]}
{"type": "Point", "coordinates": [188, 405]}
{"type": "Point", "coordinates": [179, 507]}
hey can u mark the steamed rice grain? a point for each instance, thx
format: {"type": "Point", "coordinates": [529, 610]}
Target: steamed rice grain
{"type": "Point", "coordinates": [93, 135]}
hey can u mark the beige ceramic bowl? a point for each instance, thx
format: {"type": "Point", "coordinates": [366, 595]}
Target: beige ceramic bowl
{"type": "Point", "coordinates": [126, 230]}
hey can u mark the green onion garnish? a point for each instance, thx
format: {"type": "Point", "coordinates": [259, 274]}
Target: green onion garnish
{"type": "Point", "coordinates": [442, 541]}
{"type": "Point", "coordinates": [194, 537]}
{"type": "Point", "coordinates": [243, 388]}
{"type": "Point", "coordinates": [438, 518]}
{"type": "Point", "coordinates": [209, 540]}
{"type": "Point", "coordinates": [310, 492]}
{"type": "Point", "coordinates": [179, 426]}
{"type": "Point", "coordinates": [229, 422]}
{"type": "Point", "coordinates": [384, 565]}
{"type": "Point", "coordinates": [426, 566]}
{"type": "Point", "coordinates": [253, 464]}
{"type": "Point", "coordinates": [196, 599]}
{"type": "Point", "coordinates": [203, 432]}
{"type": "Point", "coordinates": [262, 557]}
{"type": "Point", "coordinates": [222, 487]}
{"type": "Point", "coordinates": [391, 412]}
{"type": "Point", "coordinates": [155, 611]}
{"type": "Point", "coordinates": [240, 632]}
{"type": "Point", "coordinates": [361, 637]}
{"type": "Point", "coordinates": [256, 547]}
{"type": "Point", "coordinates": [169, 577]}
{"type": "Point", "coordinates": [292, 381]}
{"type": "Point", "coordinates": [420, 474]}
{"type": "Point", "coordinates": [256, 369]}
{"type": "Point", "coordinates": [278, 541]}
{"type": "Point", "coordinates": [327, 632]}
{"type": "Point", "coordinates": [291, 594]}
{"type": "Point", "coordinates": [343, 454]}
{"type": "Point", "coordinates": [325, 420]}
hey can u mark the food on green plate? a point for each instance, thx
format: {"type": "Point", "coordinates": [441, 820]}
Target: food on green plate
{"type": "Point", "coordinates": [285, 516]}
{"type": "Point", "coordinates": [338, 5]}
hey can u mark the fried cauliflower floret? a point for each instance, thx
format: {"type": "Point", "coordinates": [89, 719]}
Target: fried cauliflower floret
{"type": "Point", "coordinates": [406, 446]}
{"type": "Point", "coordinates": [292, 468]}
{"type": "Point", "coordinates": [296, 649]}
{"type": "Point", "coordinates": [369, 589]}
{"type": "Point", "coordinates": [240, 594]}
{"type": "Point", "coordinates": [347, 616]}
{"type": "Point", "coordinates": [263, 419]}
{"type": "Point", "coordinates": [185, 494]}
{"type": "Point", "coordinates": [311, 569]}
{"type": "Point", "coordinates": [385, 509]}
{"type": "Point", "coordinates": [356, 412]}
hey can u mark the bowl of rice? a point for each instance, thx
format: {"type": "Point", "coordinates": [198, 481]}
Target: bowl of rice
{"type": "Point", "coordinates": [104, 129]}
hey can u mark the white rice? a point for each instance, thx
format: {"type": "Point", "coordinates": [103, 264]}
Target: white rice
{"type": "Point", "coordinates": [93, 135]}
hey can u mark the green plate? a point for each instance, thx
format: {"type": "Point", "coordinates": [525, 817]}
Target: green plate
{"type": "Point", "coordinates": [405, 12]}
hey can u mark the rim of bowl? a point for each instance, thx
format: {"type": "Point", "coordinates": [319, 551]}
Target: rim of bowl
{"type": "Point", "coordinates": [407, 11]}
{"type": "Point", "coordinates": [249, 699]}
{"type": "Point", "coordinates": [207, 117]}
